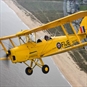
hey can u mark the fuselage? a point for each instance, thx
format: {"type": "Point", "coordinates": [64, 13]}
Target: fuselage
{"type": "Point", "coordinates": [32, 50]}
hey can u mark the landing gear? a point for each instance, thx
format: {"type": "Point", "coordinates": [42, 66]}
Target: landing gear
{"type": "Point", "coordinates": [28, 71]}
{"type": "Point", "coordinates": [45, 69]}
{"type": "Point", "coordinates": [36, 62]}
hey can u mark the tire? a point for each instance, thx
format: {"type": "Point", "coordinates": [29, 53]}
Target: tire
{"type": "Point", "coordinates": [45, 69]}
{"type": "Point", "coordinates": [28, 71]}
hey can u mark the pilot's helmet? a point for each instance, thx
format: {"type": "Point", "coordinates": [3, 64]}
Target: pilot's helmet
{"type": "Point", "coordinates": [46, 37]}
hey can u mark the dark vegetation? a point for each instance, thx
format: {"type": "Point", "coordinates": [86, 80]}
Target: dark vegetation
{"type": "Point", "coordinates": [83, 7]}
{"type": "Point", "coordinates": [80, 57]}
{"type": "Point", "coordinates": [49, 10]}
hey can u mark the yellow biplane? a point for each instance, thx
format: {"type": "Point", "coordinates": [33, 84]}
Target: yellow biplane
{"type": "Point", "coordinates": [34, 51]}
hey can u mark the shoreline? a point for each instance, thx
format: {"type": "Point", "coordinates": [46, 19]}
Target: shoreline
{"type": "Point", "coordinates": [64, 61]}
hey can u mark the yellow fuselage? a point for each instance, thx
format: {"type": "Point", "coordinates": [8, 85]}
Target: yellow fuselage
{"type": "Point", "coordinates": [32, 50]}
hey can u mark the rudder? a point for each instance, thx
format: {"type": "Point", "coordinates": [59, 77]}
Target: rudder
{"type": "Point", "coordinates": [83, 26]}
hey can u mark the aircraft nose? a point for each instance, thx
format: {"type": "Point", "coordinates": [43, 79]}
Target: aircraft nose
{"type": "Point", "coordinates": [8, 53]}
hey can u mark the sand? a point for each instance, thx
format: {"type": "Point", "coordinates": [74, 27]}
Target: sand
{"type": "Point", "coordinates": [64, 62]}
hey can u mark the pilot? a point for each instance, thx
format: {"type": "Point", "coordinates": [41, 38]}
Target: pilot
{"type": "Point", "coordinates": [47, 37]}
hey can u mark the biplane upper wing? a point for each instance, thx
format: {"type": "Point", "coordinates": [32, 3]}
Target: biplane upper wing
{"type": "Point", "coordinates": [60, 21]}
{"type": "Point", "coordinates": [8, 37]}
{"type": "Point", "coordinates": [49, 25]}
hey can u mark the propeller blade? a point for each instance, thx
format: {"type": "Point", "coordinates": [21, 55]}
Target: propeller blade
{"type": "Point", "coordinates": [4, 58]}
{"type": "Point", "coordinates": [5, 61]}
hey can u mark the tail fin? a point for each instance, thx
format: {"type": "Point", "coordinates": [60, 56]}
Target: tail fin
{"type": "Point", "coordinates": [83, 26]}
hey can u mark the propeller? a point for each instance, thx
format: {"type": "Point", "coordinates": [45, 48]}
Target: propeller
{"type": "Point", "coordinates": [6, 56]}
{"type": "Point", "coordinates": [8, 53]}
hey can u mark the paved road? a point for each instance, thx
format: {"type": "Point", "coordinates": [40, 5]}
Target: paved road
{"type": "Point", "coordinates": [14, 75]}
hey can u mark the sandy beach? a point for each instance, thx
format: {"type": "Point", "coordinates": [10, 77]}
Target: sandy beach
{"type": "Point", "coordinates": [64, 62]}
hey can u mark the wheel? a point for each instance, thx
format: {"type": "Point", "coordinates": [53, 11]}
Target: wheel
{"type": "Point", "coordinates": [28, 71]}
{"type": "Point", "coordinates": [45, 69]}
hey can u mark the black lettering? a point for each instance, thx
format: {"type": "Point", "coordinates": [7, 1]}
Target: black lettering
{"type": "Point", "coordinates": [65, 44]}
{"type": "Point", "coordinates": [68, 43]}
{"type": "Point", "coordinates": [62, 44]}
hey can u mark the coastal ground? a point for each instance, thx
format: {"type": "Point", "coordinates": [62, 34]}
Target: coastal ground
{"type": "Point", "coordinates": [64, 62]}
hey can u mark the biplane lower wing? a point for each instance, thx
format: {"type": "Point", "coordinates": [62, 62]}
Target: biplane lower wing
{"type": "Point", "coordinates": [65, 50]}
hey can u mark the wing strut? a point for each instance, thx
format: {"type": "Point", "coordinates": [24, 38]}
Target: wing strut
{"type": "Point", "coordinates": [75, 32]}
{"type": "Point", "coordinates": [3, 46]}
